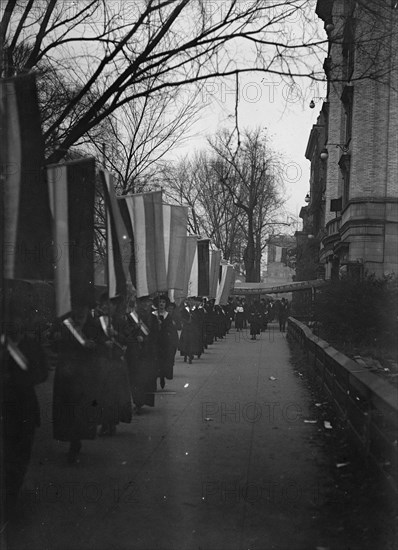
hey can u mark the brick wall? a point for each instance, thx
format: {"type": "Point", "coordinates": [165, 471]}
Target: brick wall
{"type": "Point", "coordinates": [369, 218]}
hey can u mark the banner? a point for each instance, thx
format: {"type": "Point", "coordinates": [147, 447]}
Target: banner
{"type": "Point", "coordinates": [191, 266]}
{"type": "Point", "coordinates": [72, 191]}
{"type": "Point", "coordinates": [118, 248]}
{"type": "Point", "coordinates": [145, 215]}
{"type": "Point", "coordinates": [26, 237]}
{"type": "Point", "coordinates": [203, 267]}
{"type": "Point", "coordinates": [226, 284]}
{"type": "Point", "coordinates": [214, 268]}
{"type": "Point", "coordinates": [175, 220]}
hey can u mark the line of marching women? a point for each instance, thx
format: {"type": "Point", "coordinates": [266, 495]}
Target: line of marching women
{"type": "Point", "coordinates": [111, 358]}
{"type": "Point", "coordinates": [108, 359]}
{"type": "Point", "coordinates": [202, 323]}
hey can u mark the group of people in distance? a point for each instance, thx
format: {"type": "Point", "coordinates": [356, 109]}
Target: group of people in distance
{"type": "Point", "coordinates": [259, 313]}
{"type": "Point", "coordinates": [109, 360]}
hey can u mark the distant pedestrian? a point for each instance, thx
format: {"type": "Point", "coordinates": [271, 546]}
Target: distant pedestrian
{"type": "Point", "coordinates": [239, 316]}
{"type": "Point", "coordinates": [255, 319]}
{"type": "Point", "coordinates": [283, 314]}
{"type": "Point", "coordinates": [191, 342]}
{"type": "Point", "coordinates": [245, 312]}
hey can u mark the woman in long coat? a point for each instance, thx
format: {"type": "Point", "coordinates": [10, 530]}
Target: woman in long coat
{"type": "Point", "coordinates": [191, 342]}
{"type": "Point", "coordinates": [239, 316]}
{"type": "Point", "coordinates": [210, 322]}
{"type": "Point", "coordinates": [255, 319]}
{"type": "Point", "coordinates": [114, 394]}
{"type": "Point", "coordinates": [24, 366]}
{"type": "Point", "coordinates": [167, 339]}
{"type": "Point", "coordinates": [76, 412]}
{"type": "Point", "coordinates": [141, 353]}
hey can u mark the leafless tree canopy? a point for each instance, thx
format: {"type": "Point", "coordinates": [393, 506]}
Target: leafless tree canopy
{"type": "Point", "coordinates": [235, 194]}
{"type": "Point", "coordinates": [105, 54]}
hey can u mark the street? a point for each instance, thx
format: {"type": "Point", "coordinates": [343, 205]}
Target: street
{"type": "Point", "coordinates": [234, 456]}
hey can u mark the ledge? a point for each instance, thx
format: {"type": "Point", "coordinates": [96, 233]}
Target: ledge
{"type": "Point", "coordinates": [382, 390]}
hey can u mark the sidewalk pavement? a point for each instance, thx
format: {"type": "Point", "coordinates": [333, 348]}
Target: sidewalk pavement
{"type": "Point", "coordinates": [232, 457]}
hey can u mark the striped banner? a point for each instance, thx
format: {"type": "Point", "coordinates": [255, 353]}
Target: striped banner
{"type": "Point", "coordinates": [145, 214]}
{"type": "Point", "coordinates": [203, 267]}
{"type": "Point", "coordinates": [175, 220]}
{"type": "Point", "coordinates": [214, 269]}
{"type": "Point", "coordinates": [191, 265]}
{"type": "Point", "coordinates": [189, 287]}
{"type": "Point", "coordinates": [72, 191]}
{"type": "Point", "coordinates": [226, 284]}
{"type": "Point", "coordinates": [26, 237]}
{"type": "Point", "coordinates": [117, 242]}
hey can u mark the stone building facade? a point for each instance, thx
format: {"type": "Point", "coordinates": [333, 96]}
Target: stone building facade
{"type": "Point", "coordinates": [353, 148]}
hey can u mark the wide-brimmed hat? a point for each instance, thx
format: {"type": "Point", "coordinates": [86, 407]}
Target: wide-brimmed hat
{"type": "Point", "coordinates": [114, 299]}
{"type": "Point", "coordinates": [145, 298]}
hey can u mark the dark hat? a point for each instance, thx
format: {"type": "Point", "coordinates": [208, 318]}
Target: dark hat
{"type": "Point", "coordinates": [115, 299]}
{"type": "Point", "coordinates": [144, 298]}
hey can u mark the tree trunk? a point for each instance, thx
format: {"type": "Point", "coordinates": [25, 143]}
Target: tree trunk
{"type": "Point", "coordinates": [249, 256]}
{"type": "Point", "coordinates": [257, 266]}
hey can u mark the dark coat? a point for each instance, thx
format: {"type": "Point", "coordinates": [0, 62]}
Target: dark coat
{"type": "Point", "coordinates": [167, 345]}
{"type": "Point", "coordinates": [255, 320]}
{"type": "Point", "coordinates": [239, 317]}
{"type": "Point", "coordinates": [21, 415]}
{"type": "Point", "coordinates": [210, 321]}
{"type": "Point", "coordinates": [191, 342]}
{"type": "Point", "coordinates": [141, 359]}
{"type": "Point", "coordinates": [76, 409]}
{"type": "Point", "coordinates": [114, 394]}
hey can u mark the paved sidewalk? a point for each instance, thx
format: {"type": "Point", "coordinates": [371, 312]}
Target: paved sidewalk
{"type": "Point", "coordinates": [230, 458]}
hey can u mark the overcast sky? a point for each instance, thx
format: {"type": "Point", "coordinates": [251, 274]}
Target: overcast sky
{"type": "Point", "coordinates": [267, 101]}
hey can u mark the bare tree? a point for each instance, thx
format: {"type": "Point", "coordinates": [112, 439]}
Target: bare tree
{"type": "Point", "coordinates": [110, 59]}
{"type": "Point", "coordinates": [235, 195]}
{"type": "Point", "coordinates": [223, 220]}
{"type": "Point", "coordinates": [180, 186]}
{"type": "Point", "coordinates": [250, 172]}
{"type": "Point", "coordinates": [213, 213]}
{"type": "Point", "coordinates": [139, 134]}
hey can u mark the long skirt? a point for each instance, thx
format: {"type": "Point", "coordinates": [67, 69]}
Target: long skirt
{"type": "Point", "coordinates": [142, 375]}
{"type": "Point", "coordinates": [239, 319]}
{"type": "Point", "coordinates": [210, 329]}
{"type": "Point", "coordinates": [76, 410]}
{"type": "Point", "coordinates": [114, 395]}
{"type": "Point", "coordinates": [166, 362]}
{"type": "Point", "coordinates": [191, 342]}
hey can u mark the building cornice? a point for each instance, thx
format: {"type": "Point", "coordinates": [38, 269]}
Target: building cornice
{"type": "Point", "coordinates": [312, 141]}
{"type": "Point", "coordinates": [363, 200]}
{"type": "Point", "coordinates": [330, 239]}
